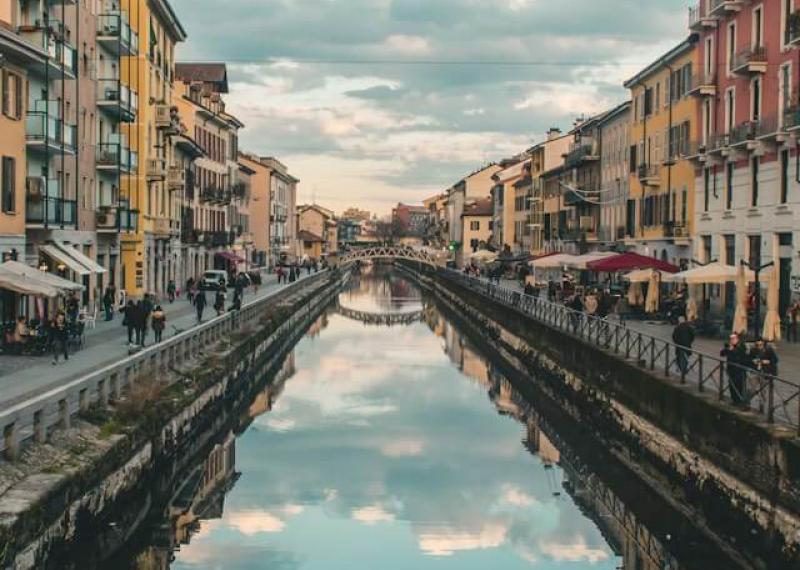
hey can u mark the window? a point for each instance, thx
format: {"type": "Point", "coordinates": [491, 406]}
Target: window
{"type": "Point", "coordinates": [729, 166]}
{"type": "Point", "coordinates": [754, 246]}
{"type": "Point", "coordinates": [9, 195]}
{"type": "Point", "coordinates": [785, 239]}
{"type": "Point", "coordinates": [787, 21]}
{"type": "Point", "coordinates": [684, 205]}
{"type": "Point", "coordinates": [706, 188]}
{"type": "Point", "coordinates": [731, 46]}
{"type": "Point", "coordinates": [730, 109]}
{"type": "Point", "coordinates": [475, 226]}
{"type": "Point", "coordinates": [754, 166]}
{"type": "Point", "coordinates": [709, 58]}
{"type": "Point", "coordinates": [784, 197]}
{"type": "Point", "coordinates": [755, 99]}
{"type": "Point", "coordinates": [758, 27]}
{"type": "Point", "coordinates": [784, 91]}
{"type": "Point", "coordinates": [12, 95]}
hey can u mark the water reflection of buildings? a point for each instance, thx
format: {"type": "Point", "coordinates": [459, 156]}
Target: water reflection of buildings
{"type": "Point", "coordinates": [380, 288]}
{"type": "Point", "coordinates": [318, 326]}
{"type": "Point", "coordinates": [625, 534]}
{"type": "Point", "coordinates": [265, 399]}
{"type": "Point", "coordinates": [200, 497]}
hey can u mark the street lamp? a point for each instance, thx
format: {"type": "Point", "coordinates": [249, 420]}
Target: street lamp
{"type": "Point", "coordinates": [757, 270]}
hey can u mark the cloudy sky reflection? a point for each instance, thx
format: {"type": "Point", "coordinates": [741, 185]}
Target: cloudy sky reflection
{"type": "Point", "coordinates": [380, 453]}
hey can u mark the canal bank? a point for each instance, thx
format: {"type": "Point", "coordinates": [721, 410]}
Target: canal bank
{"type": "Point", "coordinates": [93, 478]}
{"type": "Point", "coordinates": [735, 476]}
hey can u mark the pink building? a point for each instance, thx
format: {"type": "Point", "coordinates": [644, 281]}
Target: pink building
{"type": "Point", "coordinates": [747, 191]}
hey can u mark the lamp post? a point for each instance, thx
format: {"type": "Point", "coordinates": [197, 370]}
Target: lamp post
{"type": "Point", "coordinates": [757, 270]}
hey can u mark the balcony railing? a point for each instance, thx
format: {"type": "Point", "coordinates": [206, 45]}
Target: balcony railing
{"type": "Point", "coordinates": [61, 56]}
{"type": "Point", "coordinates": [117, 219]}
{"type": "Point", "coordinates": [704, 85]}
{"type": "Point", "coordinates": [648, 174]}
{"type": "Point", "coordinates": [115, 33]}
{"type": "Point", "coordinates": [156, 169]}
{"type": "Point", "coordinates": [722, 7]}
{"type": "Point", "coordinates": [116, 156]}
{"type": "Point", "coordinates": [50, 210]}
{"type": "Point", "coordinates": [743, 132]}
{"type": "Point", "coordinates": [47, 129]}
{"type": "Point", "coordinates": [718, 142]}
{"type": "Point", "coordinates": [791, 118]}
{"type": "Point", "coordinates": [750, 60]}
{"type": "Point", "coordinates": [117, 99]}
{"type": "Point", "coordinates": [580, 152]}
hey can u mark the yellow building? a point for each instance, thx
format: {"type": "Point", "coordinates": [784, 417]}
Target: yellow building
{"type": "Point", "coordinates": [316, 223]}
{"type": "Point", "coordinates": [259, 208]}
{"type": "Point", "coordinates": [508, 230]}
{"type": "Point", "coordinates": [148, 254]}
{"type": "Point", "coordinates": [15, 56]}
{"type": "Point", "coordinates": [477, 223]}
{"type": "Point", "coordinates": [545, 156]}
{"type": "Point", "coordinates": [664, 119]}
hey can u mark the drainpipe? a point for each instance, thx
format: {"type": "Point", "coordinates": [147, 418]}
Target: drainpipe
{"type": "Point", "coordinates": [669, 146]}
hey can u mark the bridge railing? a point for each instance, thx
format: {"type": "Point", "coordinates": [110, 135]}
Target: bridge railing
{"type": "Point", "coordinates": [776, 399]}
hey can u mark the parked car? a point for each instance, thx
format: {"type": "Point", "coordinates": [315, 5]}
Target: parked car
{"type": "Point", "coordinates": [212, 279]}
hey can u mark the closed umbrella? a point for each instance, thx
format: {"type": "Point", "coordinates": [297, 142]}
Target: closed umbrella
{"type": "Point", "coordinates": [691, 309]}
{"type": "Point", "coordinates": [740, 316]}
{"type": "Point", "coordinates": [772, 323]}
{"type": "Point", "coordinates": [635, 294]}
{"type": "Point", "coordinates": [653, 294]}
{"type": "Point", "coordinates": [639, 276]}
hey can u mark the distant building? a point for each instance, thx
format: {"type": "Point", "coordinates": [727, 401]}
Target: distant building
{"type": "Point", "coordinates": [411, 220]}
{"type": "Point", "coordinates": [356, 214]}
{"type": "Point", "coordinates": [348, 230]}
{"type": "Point", "coordinates": [317, 222]}
{"type": "Point", "coordinates": [477, 221]}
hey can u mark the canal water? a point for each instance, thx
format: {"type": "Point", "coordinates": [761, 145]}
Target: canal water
{"type": "Point", "coordinates": [395, 447]}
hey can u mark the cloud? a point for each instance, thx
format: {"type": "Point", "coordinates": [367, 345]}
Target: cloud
{"type": "Point", "coordinates": [446, 542]}
{"type": "Point", "coordinates": [403, 448]}
{"type": "Point", "coordinates": [372, 514]}
{"type": "Point", "coordinates": [254, 522]}
{"type": "Point", "coordinates": [335, 87]}
{"type": "Point", "coordinates": [577, 551]}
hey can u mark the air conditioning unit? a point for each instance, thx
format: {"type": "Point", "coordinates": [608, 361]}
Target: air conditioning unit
{"type": "Point", "coordinates": [163, 119]}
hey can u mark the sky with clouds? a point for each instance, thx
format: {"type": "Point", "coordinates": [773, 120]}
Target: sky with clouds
{"type": "Point", "coordinates": [371, 102]}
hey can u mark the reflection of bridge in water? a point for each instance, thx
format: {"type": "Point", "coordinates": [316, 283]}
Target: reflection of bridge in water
{"type": "Point", "coordinates": [381, 319]}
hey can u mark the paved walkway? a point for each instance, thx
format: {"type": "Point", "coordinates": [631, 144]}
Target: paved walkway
{"type": "Point", "coordinates": [21, 376]}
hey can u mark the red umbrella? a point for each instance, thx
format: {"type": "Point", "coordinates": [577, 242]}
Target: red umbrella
{"type": "Point", "coordinates": [628, 262]}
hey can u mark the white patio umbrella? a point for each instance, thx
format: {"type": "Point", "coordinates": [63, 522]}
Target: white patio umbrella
{"type": "Point", "coordinates": [772, 322]}
{"type": "Point", "coordinates": [581, 261]}
{"type": "Point", "coordinates": [653, 293]}
{"type": "Point", "coordinates": [740, 316]}
{"type": "Point", "coordinates": [711, 273]}
{"type": "Point", "coordinates": [483, 256]}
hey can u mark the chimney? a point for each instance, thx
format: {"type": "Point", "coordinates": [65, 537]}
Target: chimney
{"type": "Point", "coordinates": [553, 133]}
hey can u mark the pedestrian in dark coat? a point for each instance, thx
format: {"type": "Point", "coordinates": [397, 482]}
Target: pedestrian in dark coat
{"type": "Point", "coordinates": [764, 358]}
{"type": "Point", "coordinates": [139, 322]}
{"type": "Point", "coordinates": [159, 320]}
{"type": "Point", "coordinates": [683, 337]}
{"type": "Point", "coordinates": [200, 304]}
{"type": "Point", "coordinates": [129, 320]}
{"type": "Point", "coordinates": [59, 335]}
{"type": "Point", "coordinates": [737, 363]}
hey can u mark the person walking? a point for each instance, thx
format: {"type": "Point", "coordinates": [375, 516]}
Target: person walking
{"type": "Point", "coordinates": [138, 320]}
{"type": "Point", "coordinates": [158, 320]}
{"type": "Point", "coordinates": [147, 311]}
{"type": "Point", "coordinates": [190, 290]}
{"type": "Point", "coordinates": [200, 305]}
{"type": "Point", "coordinates": [108, 304]}
{"type": "Point", "coordinates": [58, 337]}
{"type": "Point", "coordinates": [683, 337]}
{"type": "Point", "coordinates": [171, 291]}
{"type": "Point", "coordinates": [73, 307]}
{"type": "Point", "coordinates": [129, 320]}
{"type": "Point", "coordinates": [219, 301]}
{"type": "Point", "coordinates": [737, 363]}
{"type": "Point", "coordinates": [577, 309]}
{"type": "Point", "coordinates": [792, 320]}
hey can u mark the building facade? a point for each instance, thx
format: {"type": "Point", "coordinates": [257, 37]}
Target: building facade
{"type": "Point", "coordinates": [614, 130]}
{"type": "Point", "coordinates": [747, 204]}
{"type": "Point", "coordinates": [477, 220]}
{"type": "Point", "coordinates": [663, 123]}
{"type": "Point", "coordinates": [260, 180]}
{"type": "Point", "coordinates": [546, 156]}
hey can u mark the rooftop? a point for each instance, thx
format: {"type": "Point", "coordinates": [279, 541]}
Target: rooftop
{"type": "Point", "coordinates": [213, 73]}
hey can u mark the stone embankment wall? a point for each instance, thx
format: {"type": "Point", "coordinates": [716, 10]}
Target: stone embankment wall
{"type": "Point", "coordinates": [70, 501]}
{"type": "Point", "coordinates": [735, 476]}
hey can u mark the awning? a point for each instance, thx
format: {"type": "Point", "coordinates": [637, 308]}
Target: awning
{"type": "Point", "coordinates": [25, 285]}
{"type": "Point", "coordinates": [81, 258]}
{"type": "Point", "coordinates": [583, 261]}
{"type": "Point", "coordinates": [556, 261]}
{"type": "Point", "coordinates": [62, 257]}
{"type": "Point", "coordinates": [47, 278]}
{"type": "Point", "coordinates": [230, 256]}
{"type": "Point", "coordinates": [713, 273]}
{"type": "Point", "coordinates": [630, 261]}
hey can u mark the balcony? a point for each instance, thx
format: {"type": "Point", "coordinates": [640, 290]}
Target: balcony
{"type": "Point", "coordinates": [649, 175]}
{"type": "Point", "coordinates": [724, 7]}
{"type": "Point", "coordinates": [704, 85]}
{"type": "Point", "coordinates": [114, 156]}
{"type": "Point", "coordinates": [208, 194]}
{"type": "Point", "coordinates": [750, 60]}
{"type": "Point", "coordinates": [583, 194]}
{"type": "Point", "coordinates": [744, 135]}
{"type": "Point", "coordinates": [115, 34]}
{"type": "Point", "coordinates": [156, 170]}
{"type": "Point", "coordinates": [580, 152]}
{"type": "Point", "coordinates": [718, 144]}
{"type": "Point", "coordinates": [176, 178]}
{"type": "Point", "coordinates": [117, 100]}
{"type": "Point", "coordinates": [115, 219]}
{"type": "Point", "coordinates": [791, 119]}
{"type": "Point", "coordinates": [46, 132]}
{"type": "Point", "coordinates": [167, 119]}
{"type": "Point", "coordinates": [699, 21]}
{"type": "Point", "coordinates": [43, 206]}
{"type": "Point", "coordinates": [772, 129]}
{"type": "Point", "coordinates": [240, 190]}
{"type": "Point", "coordinates": [62, 59]}
{"type": "Point", "coordinates": [163, 226]}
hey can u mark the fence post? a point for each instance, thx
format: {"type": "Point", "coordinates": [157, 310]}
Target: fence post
{"type": "Point", "coordinates": [652, 354]}
{"type": "Point", "coordinates": [771, 400]}
{"type": "Point", "coordinates": [701, 381]}
{"type": "Point", "coordinates": [666, 359]}
{"type": "Point", "coordinates": [722, 380]}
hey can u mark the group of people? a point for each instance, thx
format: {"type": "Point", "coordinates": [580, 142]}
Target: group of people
{"type": "Point", "coordinates": [53, 335]}
{"type": "Point", "coordinates": [197, 295]}
{"type": "Point", "coordinates": [142, 315]}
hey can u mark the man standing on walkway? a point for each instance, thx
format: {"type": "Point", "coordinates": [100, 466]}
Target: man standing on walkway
{"type": "Point", "coordinates": [147, 310]}
{"type": "Point", "coordinates": [793, 320]}
{"type": "Point", "coordinates": [577, 312]}
{"type": "Point", "coordinates": [200, 304]}
{"type": "Point", "coordinates": [108, 303]}
{"type": "Point", "coordinates": [683, 337]}
{"type": "Point", "coordinates": [58, 337]}
{"type": "Point", "coordinates": [171, 291]}
{"type": "Point", "coordinates": [737, 363]}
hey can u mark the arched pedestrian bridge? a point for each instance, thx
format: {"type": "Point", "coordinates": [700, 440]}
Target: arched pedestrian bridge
{"type": "Point", "coordinates": [382, 319]}
{"type": "Point", "coordinates": [391, 252]}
